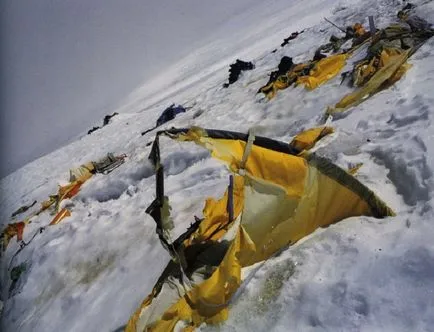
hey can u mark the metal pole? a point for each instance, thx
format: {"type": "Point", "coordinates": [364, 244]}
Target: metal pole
{"type": "Point", "coordinates": [335, 25]}
{"type": "Point", "coordinates": [230, 206]}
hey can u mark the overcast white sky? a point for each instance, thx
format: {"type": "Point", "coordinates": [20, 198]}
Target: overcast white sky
{"type": "Point", "coordinates": [67, 63]}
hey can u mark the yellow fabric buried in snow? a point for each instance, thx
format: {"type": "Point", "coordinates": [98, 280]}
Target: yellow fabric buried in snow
{"type": "Point", "coordinates": [307, 139]}
{"type": "Point", "coordinates": [82, 173]}
{"type": "Point", "coordinates": [323, 71]}
{"type": "Point", "coordinates": [392, 67]}
{"type": "Point", "coordinates": [281, 83]}
{"type": "Point", "coordinates": [208, 301]}
{"type": "Point", "coordinates": [216, 216]}
{"type": "Point", "coordinates": [278, 199]}
{"type": "Point", "coordinates": [62, 214]}
{"type": "Point", "coordinates": [265, 164]}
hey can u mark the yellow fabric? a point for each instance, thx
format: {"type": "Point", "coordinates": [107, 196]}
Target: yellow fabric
{"type": "Point", "coordinates": [284, 81]}
{"type": "Point", "coordinates": [323, 71]}
{"type": "Point", "coordinates": [320, 205]}
{"type": "Point", "coordinates": [393, 68]}
{"type": "Point", "coordinates": [208, 301]}
{"type": "Point", "coordinates": [67, 191]}
{"type": "Point", "coordinates": [46, 204]}
{"type": "Point", "coordinates": [60, 216]}
{"type": "Point", "coordinates": [268, 165]}
{"type": "Point", "coordinates": [359, 30]}
{"type": "Point", "coordinates": [82, 173]}
{"type": "Point", "coordinates": [308, 138]}
{"type": "Point", "coordinates": [131, 325]}
{"type": "Point", "coordinates": [364, 71]}
{"type": "Point", "coordinates": [280, 168]}
{"type": "Point", "coordinates": [11, 230]}
{"type": "Point", "coordinates": [271, 89]}
{"type": "Point", "coordinates": [279, 199]}
{"type": "Point", "coordinates": [354, 169]}
{"type": "Point", "coordinates": [216, 215]}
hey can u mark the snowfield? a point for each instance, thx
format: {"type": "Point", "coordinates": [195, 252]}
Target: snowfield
{"type": "Point", "coordinates": [91, 271]}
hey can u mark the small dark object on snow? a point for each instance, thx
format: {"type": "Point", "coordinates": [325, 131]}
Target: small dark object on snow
{"type": "Point", "coordinates": [106, 121]}
{"type": "Point", "coordinates": [22, 209]}
{"type": "Point", "coordinates": [92, 130]}
{"type": "Point", "coordinates": [236, 69]}
{"type": "Point", "coordinates": [293, 36]}
{"type": "Point", "coordinates": [284, 66]}
{"type": "Point", "coordinates": [169, 114]}
{"type": "Point", "coordinates": [15, 275]}
{"type": "Point", "coordinates": [107, 118]}
{"type": "Point", "coordinates": [409, 6]}
{"type": "Point", "coordinates": [109, 163]}
{"type": "Point", "coordinates": [415, 22]}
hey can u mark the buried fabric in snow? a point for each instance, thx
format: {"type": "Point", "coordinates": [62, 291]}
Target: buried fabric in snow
{"type": "Point", "coordinates": [307, 139]}
{"type": "Point", "coordinates": [312, 74]}
{"type": "Point", "coordinates": [277, 198]}
{"type": "Point", "coordinates": [392, 68]}
{"type": "Point", "coordinates": [323, 71]}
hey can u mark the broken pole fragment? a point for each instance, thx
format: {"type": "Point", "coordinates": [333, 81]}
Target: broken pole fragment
{"type": "Point", "coordinates": [230, 206]}
{"type": "Point", "coordinates": [342, 29]}
{"type": "Point", "coordinates": [371, 25]}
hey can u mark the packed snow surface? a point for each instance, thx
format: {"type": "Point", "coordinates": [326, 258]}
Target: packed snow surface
{"type": "Point", "coordinates": [91, 271]}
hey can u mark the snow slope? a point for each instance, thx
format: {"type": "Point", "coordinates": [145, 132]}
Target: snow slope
{"type": "Point", "coordinates": [92, 270]}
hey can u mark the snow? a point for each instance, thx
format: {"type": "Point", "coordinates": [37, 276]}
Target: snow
{"type": "Point", "coordinates": [91, 271]}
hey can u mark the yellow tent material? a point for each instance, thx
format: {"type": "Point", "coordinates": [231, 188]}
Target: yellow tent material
{"type": "Point", "coordinates": [284, 81]}
{"type": "Point", "coordinates": [391, 68]}
{"type": "Point", "coordinates": [60, 216]}
{"type": "Point", "coordinates": [67, 191]}
{"type": "Point", "coordinates": [82, 173]}
{"type": "Point", "coordinates": [48, 203]}
{"type": "Point", "coordinates": [11, 230]}
{"type": "Point", "coordinates": [307, 139]}
{"type": "Point", "coordinates": [271, 89]}
{"type": "Point", "coordinates": [64, 192]}
{"type": "Point", "coordinates": [276, 198]}
{"type": "Point", "coordinates": [354, 168]}
{"type": "Point", "coordinates": [359, 30]}
{"type": "Point", "coordinates": [78, 176]}
{"type": "Point", "coordinates": [323, 71]}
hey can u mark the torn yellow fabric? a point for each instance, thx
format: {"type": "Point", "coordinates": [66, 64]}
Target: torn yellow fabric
{"type": "Point", "coordinates": [324, 70]}
{"type": "Point", "coordinates": [64, 213]}
{"type": "Point", "coordinates": [307, 139]}
{"type": "Point", "coordinates": [393, 67]}
{"type": "Point", "coordinates": [284, 81]}
{"type": "Point", "coordinates": [216, 216]}
{"type": "Point", "coordinates": [355, 168]}
{"type": "Point", "coordinates": [82, 173]}
{"type": "Point", "coordinates": [278, 199]}
{"type": "Point", "coordinates": [12, 230]}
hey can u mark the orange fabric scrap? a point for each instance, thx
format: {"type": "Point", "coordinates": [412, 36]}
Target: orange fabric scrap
{"type": "Point", "coordinates": [11, 230]}
{"type": "Point", "coordinates": [60, 216]}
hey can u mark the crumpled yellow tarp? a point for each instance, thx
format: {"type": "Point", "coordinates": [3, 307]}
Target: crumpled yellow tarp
{"type": "Point", "coordinates": [62, 214]}
{"type": "Point", "coordinates": [307, 139]}
{"type": "Point", "coordinates": [392, 66]}
{"type": "Point", "coordinates": [64, 192]}
{"type": "Point", "coordinates": [284, 81]}
{"type": "Point", "coordinates": [323, 71]}
{"type": "Point", "coordinates": [82, 173]}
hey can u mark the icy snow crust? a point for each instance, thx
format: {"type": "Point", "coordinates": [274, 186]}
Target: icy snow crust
{"type": "Point", "coordinates": [90, 272]}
